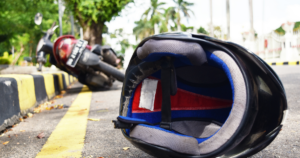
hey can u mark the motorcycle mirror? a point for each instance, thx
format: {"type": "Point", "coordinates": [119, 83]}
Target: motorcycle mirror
{"type": "Point", "coordinates": [38, 18]}
{"type": "Point", "coordinates": [28, 59]}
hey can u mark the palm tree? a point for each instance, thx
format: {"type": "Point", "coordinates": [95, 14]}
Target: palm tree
{"type": "Point", "coordinates": [155, 12]}
{"type": "Point", "coordinates": [182, 6]}
{"type": "Point", "coordinates": [169, 14]}
{"type": "Point", "coordinates": [153, 9]}
{"type": "Point", "coordinates": [143, 29]}
{"type": "Point", "coordinates": [151, 17]}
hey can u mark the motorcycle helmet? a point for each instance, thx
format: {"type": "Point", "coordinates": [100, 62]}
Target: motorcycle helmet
{"type": "Point", "coordinates": [188, 95]}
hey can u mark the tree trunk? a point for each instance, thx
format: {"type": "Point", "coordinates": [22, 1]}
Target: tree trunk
{"type": "Point", "coordinates": [178, 21]}
{"type": "Point", "coordinates": [93, 33]}
{"type": "Point", "coordinates": [18, 56]}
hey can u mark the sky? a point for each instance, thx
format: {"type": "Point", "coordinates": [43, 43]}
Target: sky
{"type": "Point", "coordinates": [267, 15]}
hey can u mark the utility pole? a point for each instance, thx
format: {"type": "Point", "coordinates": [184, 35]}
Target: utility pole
{"type": "Point", "coordinates": [211, 32]}
{"type": "Point", "coordinates": [251, 20]}
{"type": "Point", "coordinates": [228, 19]}
{"type": "Point", "coordinates": [72, 24]}
{"type": "Point", "coordinates": [61, 9]}
{"type": "Point", "coordinates": [81, 33]}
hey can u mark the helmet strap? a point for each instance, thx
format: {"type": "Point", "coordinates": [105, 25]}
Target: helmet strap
{"type": "Point", "coordinates": [169, 87]}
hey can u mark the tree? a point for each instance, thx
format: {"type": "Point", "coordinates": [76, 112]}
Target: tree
{"type": "Point", "coordinates": [202, 30]}
{"type": "Point", "coordinates": [157, 16]}
{"type": "Point", "coordinates": [186, 28]}
{"type": "Point", "coordinates": [17, 27]}
{"type": "Point", "coordinates": [154, 9]}
{"type": "Point", "coordinates": [93, 14]}
{"type": "Point", "coordinates": [169, 15]}
{"type": "Point", "coordinates": [152, 17]}
{"type": "Point", "coordinates": [143, 28]}
{"type": "Point", "coordinates": [182, 6]}
{"type": "Point", "coordinates": [217, 32]}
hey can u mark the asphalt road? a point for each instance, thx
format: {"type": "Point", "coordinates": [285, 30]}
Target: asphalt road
{"type": "Point", "coordinates": [100, 139]}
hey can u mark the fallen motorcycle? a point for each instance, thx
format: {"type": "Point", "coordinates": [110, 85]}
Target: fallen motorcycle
{"type": "Point", "coordinates": [93, 66]}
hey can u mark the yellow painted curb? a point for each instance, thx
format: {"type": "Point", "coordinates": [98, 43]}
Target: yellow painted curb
{"type": "Point", "coordinates": [49, 85]}
{"type": "Point", "coordinates": [26, 90]}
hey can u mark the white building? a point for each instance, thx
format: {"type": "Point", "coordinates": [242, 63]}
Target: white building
{"type": "Point", "coordinates": [273, 47]}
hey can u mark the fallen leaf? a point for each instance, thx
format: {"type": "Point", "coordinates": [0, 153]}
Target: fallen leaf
{"type": "Point", "coordinates": [8, 136]}
{"type": "Point", "coordinates": [10, 129]}
{"type": "Point", "coordinates": [125, 148]}
{"type": "Point", "coordinates": [91, 119]}
{"type": "Point", "coordinates": [16, 135]}
{"type": "Point", "coordinates": [58, 96]}
{"type": "Point", "coordinates": [37, 110]}
{"type": "Point", "coordinates": [22, 130]}
{"type": "Point", "coordinates": [14, 125]}
{"type": "Point", "coordinates": [25, 117]}
{"type": "Point", "coordinates": [2, 135]}
{"type": "Point", "coordinates": [100, 157]}
{"type": "Point", "coordinates": [41, 135]}
{"type": "Point", "coordinates": [21, 119]}
{"type": "Point", "coordinates": [5, 143]}
{"type": "Point", "coordinates": [49, 108]}
{"type": "Point", "coordinates": [29, 114]}
{"type": "Point", "coordinates": [59, 106]}
{"type": "Point", "coordinates": [62, 92]}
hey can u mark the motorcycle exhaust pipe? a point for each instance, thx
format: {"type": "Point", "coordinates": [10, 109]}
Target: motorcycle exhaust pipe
{"type": "Point", "coordinates": [108, 69]}
{"type": "Point", "coordinates": [90, 59]}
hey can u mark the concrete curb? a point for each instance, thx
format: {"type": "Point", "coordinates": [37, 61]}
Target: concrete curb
{"type": "Point", "coordinates": [20, 94]}
{"type": "Point", "coordinates": [284, 63]}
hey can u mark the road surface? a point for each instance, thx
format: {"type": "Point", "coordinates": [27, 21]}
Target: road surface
{"type": "Point", "coordinates": [97, 138]}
